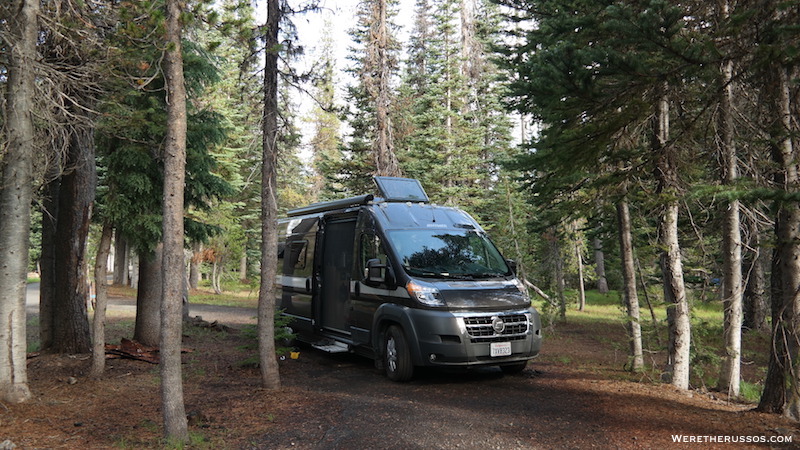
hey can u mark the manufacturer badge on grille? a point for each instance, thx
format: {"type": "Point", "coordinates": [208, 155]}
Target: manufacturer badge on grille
{"type": "Point", "coordinates": [498, 325]}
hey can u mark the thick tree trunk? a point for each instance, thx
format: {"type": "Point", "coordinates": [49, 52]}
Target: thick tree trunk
{"type": "Point", "coordinates": [47, 261]}
{"type": "Point", "coordinates": [671, 265]}
{"type": "Point", "coordinates": [270, 377]}
{"type": "Point", "coordinates": [172, 268]}
{"type": "Point", "coordinates": [730, 373]}
{"type": "Point", "coordinates": [786, 329]}
{"type": "Point", "coordinates": [631, 298]}
{"type": "Point", "coordinates": [148, 299]}
{"type": "Point", "coordinates": [15, 198]}
{"type": "Point", "coordinates": [600, 266]}
{"type": "Point", "coordinates": [380, 90]}
{"type": "Point", "coordinates": [71, 332]}
{"type": "Point", "coordinates": [101, 301]}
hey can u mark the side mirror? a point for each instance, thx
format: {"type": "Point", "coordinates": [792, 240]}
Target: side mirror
{"type": "Point", "coordinates": [512, 265]}
{"type": "Point", "coordinates": [375, 272]}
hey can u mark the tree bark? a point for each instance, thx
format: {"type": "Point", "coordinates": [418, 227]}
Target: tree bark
{"type": "Point", "coordinates": [71, 332]}
{"type": "Point", "coordinates": [243, 268]}
{"type": "Point", "coordinates": [581, 286]}
{"type": "Point", "coordinates": [120, 260]}
{"type": "Point", "coordinates": [631, 297]}
{"type": "Point", "coordinates": [101, 301]}
{"type": "Point", "coordinates": [173, 409]}
{"type": "Point", "coordinates": [600, 266]}
{"type": "Point", "coordinates": [16, 193]}
{"type": "Point", "coordinates": [270, 377]}
{"type": "Point", "coordinates": [558, 276]}
{"type": "Point", "coordinates": [671, 265]}
{"type": "Point", "coordinates": [783, 373]}
{"type": "Point", "coordinates": [148, 299]}
{"type": "Point", "coordinates": [731, 240]}
{"type": "Point", "coordinates": [194, 265]}
{"type": "Point", "coordinates": [754, 297]}
{"type": "Point", "coordinates": [47, 261]}
{"type": "Point", "coordinates": [379, 88]}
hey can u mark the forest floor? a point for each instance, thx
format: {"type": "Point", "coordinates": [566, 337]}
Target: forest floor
{"type": "Point", "coordinates": [575, 395]}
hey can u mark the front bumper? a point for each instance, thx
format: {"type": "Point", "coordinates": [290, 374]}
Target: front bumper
{"type": "Point", "coordinates": [465, 338]}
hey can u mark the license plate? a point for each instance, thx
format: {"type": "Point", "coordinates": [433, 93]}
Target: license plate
{"type": "Point", "coordinates": [500, 349]}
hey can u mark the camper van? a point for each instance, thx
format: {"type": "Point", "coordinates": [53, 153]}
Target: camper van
{"type": "Point", "coordinates": [403, 281]}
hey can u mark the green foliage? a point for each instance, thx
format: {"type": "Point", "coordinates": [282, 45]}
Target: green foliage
{"type": "Point", "coordinates": [132, 128]}
{"type": "Point", "coordinates": [283, 337]}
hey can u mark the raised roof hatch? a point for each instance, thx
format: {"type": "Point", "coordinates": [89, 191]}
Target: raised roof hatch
{"type": "Point", "coordinates": [394, 189]}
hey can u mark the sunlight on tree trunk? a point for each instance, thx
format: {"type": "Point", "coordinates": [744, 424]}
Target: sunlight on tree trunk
{"type": "Point", "coordinates": [101, 301]}
{"type": "Point", "coordinates": [630, 296]}
{"type": "Point", "coordinates": [671, 266]}
{"type": "Point", "coordinates": [730, 373]}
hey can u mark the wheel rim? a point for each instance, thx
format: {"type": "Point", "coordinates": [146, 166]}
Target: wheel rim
{"type": "Point", "coordinates": [391, 354]}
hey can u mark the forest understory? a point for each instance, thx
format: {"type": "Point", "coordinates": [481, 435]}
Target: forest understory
{"type": "Point", "coordinates": [577, 394]}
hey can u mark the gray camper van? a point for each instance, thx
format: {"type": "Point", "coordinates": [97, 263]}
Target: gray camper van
{"type": "Point", "coordinates": [403, 281]}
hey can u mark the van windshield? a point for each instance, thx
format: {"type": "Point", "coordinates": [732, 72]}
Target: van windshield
{"type": "Point", "coordinates": [465, 254]}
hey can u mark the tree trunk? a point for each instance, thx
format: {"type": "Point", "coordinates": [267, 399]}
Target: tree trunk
{"type": "Point", "coordinates": [783, 375]}
{"type": "Point", "coordinates": [172, 268]}
{"type": "Point", "coordinates": [47, 261]}
{"type": "Point", "coordinates": [773, 397]}
{"type": "Point", "coordinates": [631, 298]}
{"type": "Point", "coordinates": [243, 268]}
{"type": "Point", "coordinates": [148, 299]}
{"type": "Point", "coordinates": [16, 193]}
{"type": "Point", "coordinates": [581, 287]}
{"type": "Point", "coordinates": [380, 90]}
{"type": "Point", "coordinates": [71, 332]}
{"type": "Point", "coordinates": [194, 265]}
{"type": "Point", "coordinates": [600, 266]}
{"type": "Point", "coordinates": [101, 301]}
{"type": "Point", "coordinates": [558, 276]}
{"type": "Point", "coordinates": [120, 260]}
{"type": "Point", "coordinates": [755, 299]}
{"type": "Point", "coordinates": [671, 265]}
{"type": "Point", "coordinates": [731, 241]}
{"type": "Point", "coordinates": [270, 377]}
{"type": "Point", "coordinates": [216, 275]}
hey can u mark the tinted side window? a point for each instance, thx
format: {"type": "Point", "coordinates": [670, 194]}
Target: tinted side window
{"type": "Point", "coordinates": [296, 258]}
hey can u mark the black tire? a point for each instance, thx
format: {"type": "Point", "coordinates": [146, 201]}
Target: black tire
{"type": "Point", "coordinates": [396, 356]}
{"type": "Point", "coordinates": [514, 368]}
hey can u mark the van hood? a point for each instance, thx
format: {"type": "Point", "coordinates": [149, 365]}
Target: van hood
{"type": "Point", "coordinates": [482, 294]}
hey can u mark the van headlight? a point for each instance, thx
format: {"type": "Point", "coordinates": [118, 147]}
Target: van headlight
{"type": "Point", "coordinates": [425, 294]}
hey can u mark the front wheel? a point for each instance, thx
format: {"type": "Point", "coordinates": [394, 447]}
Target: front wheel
{"type": "Point", "coordinates": [396, 356]}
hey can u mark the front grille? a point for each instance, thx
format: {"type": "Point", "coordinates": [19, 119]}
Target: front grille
{"type": "Point", "coordinates": [481, 329]}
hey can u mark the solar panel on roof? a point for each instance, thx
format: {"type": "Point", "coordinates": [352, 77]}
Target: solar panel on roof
{"type": "Point", "coordinates": [396, 189]}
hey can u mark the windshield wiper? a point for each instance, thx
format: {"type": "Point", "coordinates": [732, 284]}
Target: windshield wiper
{"type": "Point", "coordinates": [429, 274]}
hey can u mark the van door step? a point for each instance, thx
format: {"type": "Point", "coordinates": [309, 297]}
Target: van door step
{"type": "Point", "coordinates": [331, 346]}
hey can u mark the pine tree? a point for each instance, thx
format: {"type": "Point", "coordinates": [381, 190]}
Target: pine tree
{"type": "Point", "coordinates": [375, 61]}
{"type": "Point", "coordinates": [326, 142]}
